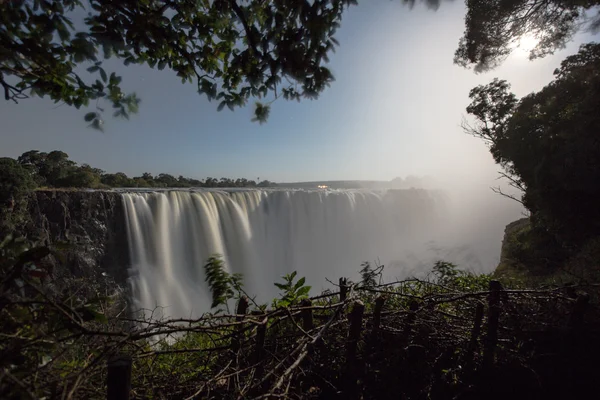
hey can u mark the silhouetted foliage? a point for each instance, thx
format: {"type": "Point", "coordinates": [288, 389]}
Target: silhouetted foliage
{"type": "Point", "coordinates": [493, 28]}
{"type": "Point", "coordinates": [61, 331]}
{"type": "Point", "coordinates": [547, 142]}
{"type": "Point", "coordinates": [231, 50]}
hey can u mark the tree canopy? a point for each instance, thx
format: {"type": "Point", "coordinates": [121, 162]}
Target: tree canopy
{"type": "Point", "coordinates": [548, 144]}
{"type": "Point", "coordinates": [493, 28]}
{"type": "Point", "coordinates": [55, 170]}
{"type": "Point", "coordinates": [231, 50]}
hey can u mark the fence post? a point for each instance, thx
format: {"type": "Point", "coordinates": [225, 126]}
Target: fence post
{"type": "Point", "coordinates": [343, 289]}
{"type": "Point", "coordinates": [118, 380]}
{"type": "Point", "coordinates": [492, 323]}
{"type": "Point", "coordinates": [410, 320]}
{"type": "Point", "coordinates": [242, 307]}
{"type": "Point", "coordinates": [379, 302]}
{"type": "Point", "coordinates": [355, 319]}
{"type": "Point", "coordinates": [307, 315]}
{"type": "Point", "coordinates": [258, 351]}
{"type": "Point", "coordinates": [241, 310]}
{"type": "Point", "coordinates": [475, 332]}
{"type": "Point", "coordinates": [261, 332]}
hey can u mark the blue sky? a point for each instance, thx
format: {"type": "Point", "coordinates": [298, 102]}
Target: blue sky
{"type": "Point", "coordinates": [394, 110]}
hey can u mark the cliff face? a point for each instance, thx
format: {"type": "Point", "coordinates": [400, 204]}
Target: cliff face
{"type": "Point", "coordinates": [89, 226]}
{"type": "Point", "coordinates": [508, 266]}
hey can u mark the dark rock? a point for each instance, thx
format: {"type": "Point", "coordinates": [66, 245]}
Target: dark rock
{"type": "Point", "coordinates": [88, 226]}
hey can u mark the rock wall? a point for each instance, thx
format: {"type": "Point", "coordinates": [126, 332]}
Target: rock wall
{"type": "Point", "coordinates": [507, 266]}
{"type": "Point", "coordinates": [88, 226]}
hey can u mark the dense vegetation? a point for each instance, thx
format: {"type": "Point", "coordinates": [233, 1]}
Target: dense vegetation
{"type": "Point", "coordinates": [56, 170]}
{"type": "Point", "coordinates": [547, 144]}
{"type": "Point", "coordinates": [443, 337]}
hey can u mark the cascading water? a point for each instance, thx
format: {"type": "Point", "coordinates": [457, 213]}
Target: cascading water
{"type": "Point", "coordinates": [264, 234]}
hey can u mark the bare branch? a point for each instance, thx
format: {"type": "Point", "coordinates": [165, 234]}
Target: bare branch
{"type": "Point", "coordinates": [499, 191]}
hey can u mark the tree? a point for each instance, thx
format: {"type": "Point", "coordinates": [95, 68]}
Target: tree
{"type": "Point", "coordinates": [117, 180]}
{"type": "Point", "coordinates": [547, 143]}
{"type": "Point", "coordinates": [226, 182]}
{"type": "Point", "coordinates": [493, 28]}
{"type": "Point", "coordinates": [266, 183]}
{"type": "Point", "coordinates": [57, 167]}
{"type": "Point", "coordinates": [231, 50]}
{"type": "Point", "coordinates": [211, 182]}
{"type": "Point", "coordinates": [81, 177]}
{"type": "Point", "coordinates": [47, 168]}
{"type": "Point", "coordinates": [166, 180]}
{"type": "Point", "coordinates": [34, 160]}
{"type": "Point", "coordinates": [140, 182]}
{"type": "Point", "coordinates": [15, 182]}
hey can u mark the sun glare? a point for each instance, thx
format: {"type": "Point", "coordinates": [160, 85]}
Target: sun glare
{"type": "Point", "coordinates": [525, 44]}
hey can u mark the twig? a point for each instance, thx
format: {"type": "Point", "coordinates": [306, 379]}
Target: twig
{"type": "Point", "coordinates": [206, 383]}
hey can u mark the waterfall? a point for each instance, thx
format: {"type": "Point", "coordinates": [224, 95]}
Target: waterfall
{"type": "Point", "coordinates": [264, 234]}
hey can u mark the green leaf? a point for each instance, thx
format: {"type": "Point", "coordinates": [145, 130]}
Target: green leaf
{"type": "Point", "coordinates": [300, 283]}
{"type": "Point", "coordinates": [283, 303]}
{"type": "Point", "coordinates": [93, 69]}
{"type": "Point", "coordinates": [90, 116]}
{"type": "Point", "coordinates": [222, 105]}
{"type": "Point", "coordinates": [303, 291]}
{"type": "Point", "coordinates": [162, 65]}
{"type": "Point", "coordinates": [63, 33]}
{"type": "Point", "coordinates": [103, 75]}
{"type": "Point", "coordinates": [281, 286]}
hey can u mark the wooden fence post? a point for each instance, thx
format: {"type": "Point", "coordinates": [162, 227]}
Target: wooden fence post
{"type": "Point", "coordinates": [118, 379]}
{"type": "Point", "coordinates": [355, 319]}
{"type": "Point", "coordinates": [241, 310]}
{"type": "Point", "coordinates": [343, 289]}
{"type": "Point", "coordinates": [261, 332]}
{"type": "Point", "coordinates": [258, 352]}
{"type": "Point", "coordinates": [492, 323]}
{"type": "Point", "coordinates": [379, 302]}
{"type": "Point", "coordinates": [475, 332]}
{"type": "Point", "coordinates": [410, 320]}
{"type": "Point", "coordinates": [307, 315]}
